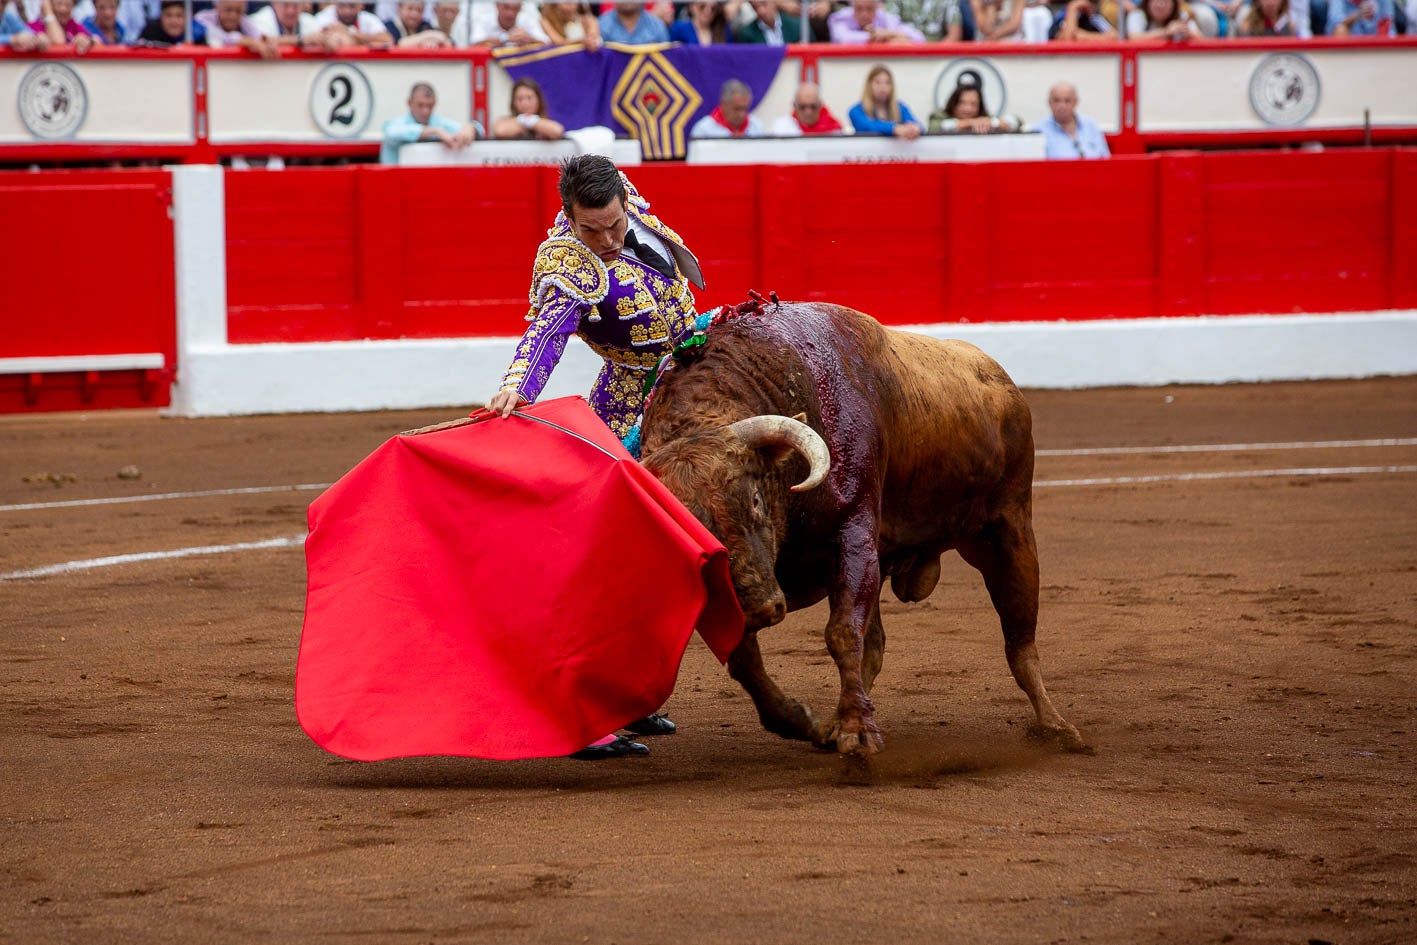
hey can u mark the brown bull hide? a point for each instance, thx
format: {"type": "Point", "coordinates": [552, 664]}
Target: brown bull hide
{"type": "Point", "coordinates": [931, 449]}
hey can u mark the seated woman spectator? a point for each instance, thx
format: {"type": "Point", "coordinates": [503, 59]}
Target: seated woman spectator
{"type": "Point", "coordinates": [170, 27]}
{"type": "Point", "coordinates": [1011, 21]}
{"type": "Point", "coordinates": [965, 111]}
{"type": "Point", "coordinates": [570, 23]}
{"type": "Point", "coordinates": [879, 112]}
{"type": "Point", "coordinates": [1080, 21]}
{"type": "Point", "coordinates": [528, 119]}
{"type": "Point", "coordinates": [1162, 19]}
{"type": "Point", "coordinates": [17, 36]}
{"type": "Point", "coordinates": [1266, 18]}
{"type": "Point", "coordinates": [706, 25]}
{"type": "Point", "coordinates": [104, 25]}
{"type": "Point", "coordinates": [56, 21]}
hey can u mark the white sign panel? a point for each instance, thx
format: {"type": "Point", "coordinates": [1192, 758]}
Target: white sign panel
{"type": "Point", "coordinates": [313, 101]}
{"type": "Point", "coordinates": [866, 149]}
{"type": "Point", "coordinates": [90, 101]}
{"type": "Point", "coordinates": [1257, 90]}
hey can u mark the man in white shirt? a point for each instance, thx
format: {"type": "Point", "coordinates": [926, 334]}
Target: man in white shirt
{"type": "Point", "coordinates": [347, 23]}
{"type": "Point", "coordinates": [499, 24]}
{"type": "Point", "coordinates": [283, 22]}
{"type": "Point", "coordinates": [733, 117]}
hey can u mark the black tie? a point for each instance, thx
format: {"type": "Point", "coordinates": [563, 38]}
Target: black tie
{"type": "Point", "coordinates": [648, 256]}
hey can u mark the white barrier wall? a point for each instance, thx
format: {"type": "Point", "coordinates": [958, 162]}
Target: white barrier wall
{"type": "Point", "coordinates": [84, 101]}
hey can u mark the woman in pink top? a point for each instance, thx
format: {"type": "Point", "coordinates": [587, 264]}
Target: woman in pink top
{"type": "Point", "coordinates": [56, 21]}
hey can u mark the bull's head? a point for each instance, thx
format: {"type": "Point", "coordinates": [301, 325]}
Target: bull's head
{"type": "Point", "coordinates": [734, 479]}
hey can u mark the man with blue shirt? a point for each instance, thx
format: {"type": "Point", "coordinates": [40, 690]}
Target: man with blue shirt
{"type": "Point", "coordinates": [1360, 18]}
{"type": "Point", "coordinates": [628, 23]}
{"type": "Point", "coordinates": [421, 124]}
{"type": "Point", "coordinates": [1066, 134]}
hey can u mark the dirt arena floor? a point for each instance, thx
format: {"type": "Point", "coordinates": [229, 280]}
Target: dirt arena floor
{"type": "Point", "coordinates": [1240, 648]}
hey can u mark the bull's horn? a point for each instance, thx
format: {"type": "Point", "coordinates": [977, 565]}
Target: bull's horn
{"type": "Point", "coordinates": [772, 429]}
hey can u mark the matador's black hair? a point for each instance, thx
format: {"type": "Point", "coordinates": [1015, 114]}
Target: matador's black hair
{"type": "Point", "coordinates": [591, 181]}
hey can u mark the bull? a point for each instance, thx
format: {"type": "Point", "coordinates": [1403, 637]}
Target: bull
{"type": "Point", "coordinates": [829, 453]}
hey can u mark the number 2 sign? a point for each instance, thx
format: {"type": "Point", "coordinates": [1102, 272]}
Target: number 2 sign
{"type": "Point", "coordinates": [341, 101]}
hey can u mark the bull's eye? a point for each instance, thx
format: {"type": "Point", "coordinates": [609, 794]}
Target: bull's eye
{"type": "Point", "coordinates": [757, 504]}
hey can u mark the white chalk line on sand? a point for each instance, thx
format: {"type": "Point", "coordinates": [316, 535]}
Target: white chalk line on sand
{"type": "Point", "coordinates": [157, 496]}
{"type": "Point", "coordinates": [1230, 447]}
{"type": "Point", "coordinates": [91, 563]}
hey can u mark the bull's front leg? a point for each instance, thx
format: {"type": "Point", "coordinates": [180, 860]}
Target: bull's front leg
{"type": "Point", "coordinates": [780, 714]}
{"type": "Point", "coordinates": [855, 597]}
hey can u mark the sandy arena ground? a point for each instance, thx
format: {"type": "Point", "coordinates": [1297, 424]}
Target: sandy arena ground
{"type": "Point", "coordinates": [1241, 650]}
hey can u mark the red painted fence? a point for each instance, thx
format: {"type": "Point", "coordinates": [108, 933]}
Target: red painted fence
{"type": "Point", "coordinates": [389, 253]}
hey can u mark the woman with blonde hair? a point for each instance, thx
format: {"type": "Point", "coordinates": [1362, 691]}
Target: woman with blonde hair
{"type": "Point", "coordinates": [528, 118]}
{"type": "Point", "coordinates": [879, 112]}
{"type": "Point", "coordinates": [570, 23]}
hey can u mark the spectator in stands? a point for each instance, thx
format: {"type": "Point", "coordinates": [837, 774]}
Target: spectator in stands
{"type": "Point", "coordinates": [528, 119]}
{"type": "Point", "coordinates": [809, 116]}
{"type": "Point", "coordinates": [570, 23]}
{"type": "Point", "coordinates": [1266, 18]}
{"type": "Point", "coordinates": [104, 25]}
{"type": "Point", "coordinates": [1345, 18]}
{"type": "Point", "coordinates": [445, 14]}
{"type": "Point", "coordinates": [17, 36]}
{"type": "Point", "coordinates": [410, 30]}
{"type": "Point", "coordinates": [283, 24]}
{"type": "Point", "coordinates": [628, 23]}
{"type": "Point", "coordinates": [952, 21]}
{"type": "Point", "coordinates": [504, 23]}
{"type": "Point", "coordinates": [1162, 19]}
{"type": "Point", "coordinates": [818, 16]}
{"type": "Point", "coordinates": [56, 21]}
{"type": "Point", "coordinates": [228, 25]}
{"type": "Point", "coordinates": [867, 22]}
{"type": "Point", "coordinates": [706, 25]}
{"type": "Point", "coordinates": [770, 27]}
{"type": "Point", "coordinates": [347, 23]}
{"type": "Point", "coordinates": [965, 112]}
{"type": "Point", "coordinates": [732, 117]}
{"type": "Point", "coordinates": [1012, 21]}
{"type": "Point", "coordinates": [1066, 134]}
{"type": "Point", "coordinates": [879, 112]}
{"type": "Point", "coordinates": [1079, 21]}
{"type": "Point", "coordinates": [170, 27]}
{"type": "Point", "coordinates": [423, 124]}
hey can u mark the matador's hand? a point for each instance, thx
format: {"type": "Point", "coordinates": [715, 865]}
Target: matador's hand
{"type": "Point", "coordinates": [505, 401]}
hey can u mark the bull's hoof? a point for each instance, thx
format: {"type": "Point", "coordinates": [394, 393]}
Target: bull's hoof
{"type": "Point", "coordinates": [866, 740]}
{"type": "Point", "coordinates": [794, 721]}
{"type": "Point", "coordinates": [1064, 736]}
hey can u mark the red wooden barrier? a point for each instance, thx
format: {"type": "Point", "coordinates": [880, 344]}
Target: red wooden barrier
{"type": "Point", "coordinates": [91, 273]}
{"type": "Point", "coordinates": [415, 253]}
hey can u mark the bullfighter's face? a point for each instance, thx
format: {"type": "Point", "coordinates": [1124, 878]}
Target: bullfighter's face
{"type": "Point", "coordinates": [601, 229]}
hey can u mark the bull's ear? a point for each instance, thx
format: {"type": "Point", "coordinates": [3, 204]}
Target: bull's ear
{"type": "Point", "coordinates": [775, 454]}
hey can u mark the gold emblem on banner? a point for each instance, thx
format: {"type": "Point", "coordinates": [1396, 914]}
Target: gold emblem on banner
{"type": "Point", "coordinates": [654, 103]}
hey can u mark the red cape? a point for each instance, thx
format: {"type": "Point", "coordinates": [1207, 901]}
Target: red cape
{"type": "Point", "coordinates": [501, 589]}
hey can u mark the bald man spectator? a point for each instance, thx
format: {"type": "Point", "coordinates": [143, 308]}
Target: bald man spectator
{"type": "Point", "coordinates": [1066, 134]}
{"type": "Point", "coordinates": [421, 123]}
{"type": "Point", "coordinates": [809, 115]}
{"type": "Point", "coordinates": [732, 118]}
{"type": "Point", "coordinates": [504, 23]}
{"type": "Point", "coordinates": [285, 24]}
{"type": "Point", "coordinates": [629, 23]}
{"type": "Point", "coordinates": [866, 21]}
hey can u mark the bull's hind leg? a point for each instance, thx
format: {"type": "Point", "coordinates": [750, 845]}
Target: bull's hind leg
{"type": "Point", "coordinates": [873, 650]}
{"type": "Point", "coordinates": [1005, 554]}
{"type": "Point", "coordinates": [780, 714]}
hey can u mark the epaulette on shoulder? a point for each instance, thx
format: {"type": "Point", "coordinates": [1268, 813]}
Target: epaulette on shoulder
{"type": "Point", "coordinates": [567, 264]}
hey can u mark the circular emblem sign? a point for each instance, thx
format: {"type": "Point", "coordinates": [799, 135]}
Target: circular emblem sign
{"type": "Point", "coordinates": [979, 73]}
{"type": "Point", "coordinates": [341, 101]}
{"type": "Point", "coordinates": [1284, 89]}
{"type": "Point", "coordinates": [53, 101]}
